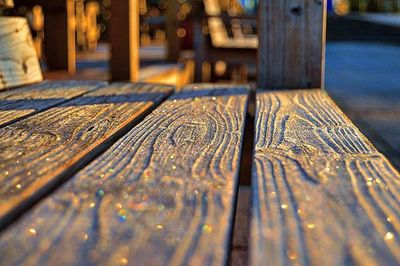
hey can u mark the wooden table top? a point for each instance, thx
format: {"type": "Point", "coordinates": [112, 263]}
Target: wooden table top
{"type": "Point", "coordinates": [135, 174]}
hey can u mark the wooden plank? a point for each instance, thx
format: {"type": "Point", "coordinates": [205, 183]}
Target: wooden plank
{"type": "Point", "coordinates": [59, 30]}
{"type": "Point", "coordinates": [39, 152]}
{"type": "Point", "coordinates": [162, 195]}
{"type": "Point", "coordinates": [319, 186]}
{"type": "Point", "coordinates": [124, 37]}
{"type": "Point", "coordinates": [23, 102]}
{"type": "Point", "coordinates": [291, 44]}
{"type": "Point", "coordinates": [19, 64]}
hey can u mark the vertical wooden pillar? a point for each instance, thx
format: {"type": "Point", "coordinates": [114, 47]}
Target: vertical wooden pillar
{"type": "Point", "coordinates": [172, 28]}
{"type": "Point", "coordinates": [124, 40]}
{"type": "Point", "coordinates": [199, 41]}
{"type": "Point", "coordinates": [59, 30]}
{"type": "Point", "coordinates": [291, 34]}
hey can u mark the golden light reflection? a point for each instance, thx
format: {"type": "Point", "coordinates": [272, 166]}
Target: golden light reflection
{"type": "Point", "coordinates": [389, 236]}
{"type": "Point", "coordinates": [32, 231]}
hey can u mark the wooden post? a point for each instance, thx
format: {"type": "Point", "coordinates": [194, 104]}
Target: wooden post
{"type": "Point", "coordinates": [199, 41]}
{"type": "Point", "coordinates": [124, 40]}
{"type": "Point", "coordinates": [172, 26]}
{"type": "Point", "coordinates": [6, 3]}
{"type": "Point", "coordinates": [291, 54]}
{"type": "Point", "coordinates": [59, 31]}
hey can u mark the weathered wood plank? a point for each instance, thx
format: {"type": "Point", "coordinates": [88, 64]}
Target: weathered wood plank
{"type": "Point", "coordinates": [162, 195]}
{"type": "Point", "coordinates": [322, 194]}
{"type": "Point", "coordinates": [19, 103]}
{"type": "Point", "coordinates": [19, 64]}
{"type": "Point", "coordinates": [291, 44]}
{"type": "Point", "coordinates": [38, 152]}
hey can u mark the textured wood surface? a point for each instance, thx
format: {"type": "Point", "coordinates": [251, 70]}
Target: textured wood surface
{"type": "Point", "coordinates": [162, 195]}
{"type": "Point", "coordinates": [19, 103]}
{"type": "Point", "coordinates": [291, 43]}
{"type": "Point", "coordinates": [322, 194]}
{"type": "Point", "coordinates": [19, 64]}
{"type": "Point", "coordinates": [38, 152]}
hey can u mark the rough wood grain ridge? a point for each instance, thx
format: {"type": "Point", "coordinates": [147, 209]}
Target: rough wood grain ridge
{"type": "Point", "coordinates": [291, 44]}
{"type": "Point", "coordinates": [19, 64]}
{"type": "Point", "coordinates": [322, 194]}
{"type": "Point", "coordinates": [19, 103]}
{"type": "Point", "coordinates": [38, 152]}
{"type": "Point", "coordinates": [162, 195]}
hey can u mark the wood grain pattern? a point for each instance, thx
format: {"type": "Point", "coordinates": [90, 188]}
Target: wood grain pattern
{"type": "Point", "coordinates": [38, 152]}
{"type": "Point", "coordinates": [19, 103]}
{"type": "Point", "coordinates": [19, 64]}
{"type": "Point", "coordinates": [322, 193]}
{"type": "Point", "coordinates": [291, 43]}
{"type": "Point", "coordinates": [162, 195]}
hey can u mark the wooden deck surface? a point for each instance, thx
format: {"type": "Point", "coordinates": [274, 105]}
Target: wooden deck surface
{"type": "Point", "coordinates": [39, 152]}
{"type": "Point", "coordinates": [319, 185]}
{"type": "Point", "coordinates": [164, 193]}
{"type": "Point", "coordinates": [83, 182]}
{"type": "Point", "coordinates": [25, 101]}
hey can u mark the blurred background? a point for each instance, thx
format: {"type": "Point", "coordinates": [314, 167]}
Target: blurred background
{"type": "Point", "coordinates": [362, 53]}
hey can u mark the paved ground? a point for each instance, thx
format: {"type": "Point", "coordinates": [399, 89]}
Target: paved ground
{"type": "Point", "coordinates": [364, 79]}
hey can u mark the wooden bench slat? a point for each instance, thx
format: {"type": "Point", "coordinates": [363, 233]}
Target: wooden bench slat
{"type": "Point", "coordinates": [19, 64]}
{"type": "Point", "coordinates": [322, 195]}
{"type": "Point", "coordinates": [38, 152]}
{"type": "Point", "coordinates": [163, 194]}
{"type": "Point", "coordinates": [19, 103]}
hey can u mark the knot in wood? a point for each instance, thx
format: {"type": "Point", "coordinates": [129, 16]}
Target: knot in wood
{"type": "Point", "coordinates": [296, 10]}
